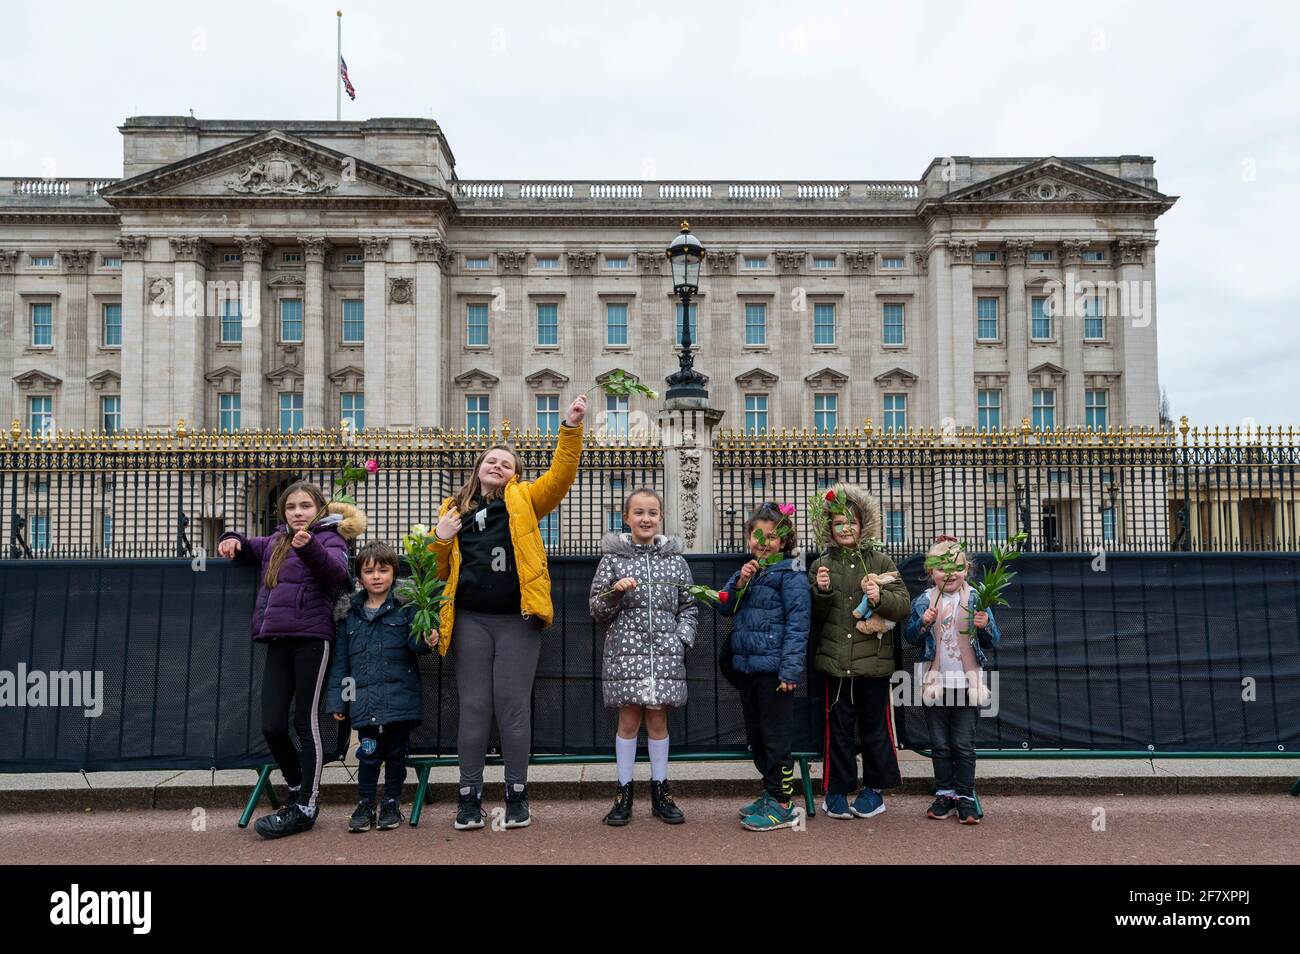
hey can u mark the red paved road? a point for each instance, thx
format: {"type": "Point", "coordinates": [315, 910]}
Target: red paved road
{"type": "Point", "coordinates": [1237, 829]}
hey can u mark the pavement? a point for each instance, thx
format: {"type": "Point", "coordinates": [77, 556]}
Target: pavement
{"type": "Point", "coordinates": [103, 791]}
{"type": "Point", "coordinates": [1093, 829]}
{"type": "Point", "coordinates": [1085, 811]}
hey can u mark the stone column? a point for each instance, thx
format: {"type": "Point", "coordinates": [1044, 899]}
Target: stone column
{"type": "Point", "coordinates": [134, 249]}
{"type": "Point", "coordinates": [686, 427]}
{"type": "Point", "coordinates": [925, 339]}
{"type": "Point", "coordinates": [8, 260]}
{"type": "Point", "coordinates": [862, 340]}
{"type": "Point", "coordinates": [188, 337]}
{"type": "Point", "coordinates": [512, 333]}
{"type": "Point", "coordinates": [376, 344]}
{"type": "Point", "coordinates": [1071, 331]}
{"type": "Point", "coordinates": [314, 250]}
{"type": "Point", "coordinates": [72, 411]}
{"type": "Point", "coordinates": [1015, 404]}
{"type": "Point", "coordinates": [1141, 381]}
{"type": "Point", "coordinates": [961, 343]}
{"type": "Point", "coordinates": [794, 330]}
{"type": "Point", "coordinates": [251, 385]}
{"type": "Point", "coordinates": [431, 257]}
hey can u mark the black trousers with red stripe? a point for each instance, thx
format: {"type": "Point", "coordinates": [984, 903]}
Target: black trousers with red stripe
{"type": "Point", "coordinates": [857, 721]}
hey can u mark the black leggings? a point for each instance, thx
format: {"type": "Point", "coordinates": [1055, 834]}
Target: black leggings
{"type": "Point", "coordinates": [295, 672]}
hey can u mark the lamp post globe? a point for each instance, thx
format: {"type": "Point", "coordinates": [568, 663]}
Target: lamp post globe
{"type": "Point", "coordinates": [685, 255]}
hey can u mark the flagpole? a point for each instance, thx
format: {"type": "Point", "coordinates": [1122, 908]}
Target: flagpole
{"type": "Point", "coordinates": [338, 72]}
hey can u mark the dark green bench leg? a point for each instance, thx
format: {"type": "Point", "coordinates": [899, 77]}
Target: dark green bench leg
{"type": "Point", "coordinates": [422, 793]}
{"type": "Point", "coordinates": [805, 774]}
{"type": "Point", "coordinates": [1295, 789]}
{"type": "Point", "coordinates": [263, 785]}
{"type": "Point", "coordinates": [979, 809]}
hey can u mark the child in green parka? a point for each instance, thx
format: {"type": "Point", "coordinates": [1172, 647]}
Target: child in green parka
{"type": "Point", "coordinates": [857, 655]}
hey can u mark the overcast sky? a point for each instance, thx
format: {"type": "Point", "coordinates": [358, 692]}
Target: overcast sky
{"type": "Point", "coordinates": [758, 90]}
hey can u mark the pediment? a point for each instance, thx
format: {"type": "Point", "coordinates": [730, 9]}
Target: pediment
{"type": "Point", "coordinates": [757, 377]}
{"type": "Point", "coordinates": [343, 374]}
{"type": "Point", "coordinates": [1055, 180]}
{"type": "Point", "coordinates": [477, 378]}
{"type": "Point", "coordinates": [272, 164]}
{"type": "Point", "coordinates": [38, 380]}
{"type": "Point", "coordinates": [107, 378]}
{"type": "Point", "coordinates": [896, 377]}
{"type": "Point", "coordinates": [827, 377]}
{"type": "Point", "coordinates": [285, 372]}
{"type": "Point", "coordinates": [546, 378]}
{"type": "Point", "coordinates": [1048, 368]}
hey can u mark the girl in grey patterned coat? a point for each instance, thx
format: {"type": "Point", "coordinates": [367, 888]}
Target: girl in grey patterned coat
{"type": "Point", "coordinates": [640, 591]}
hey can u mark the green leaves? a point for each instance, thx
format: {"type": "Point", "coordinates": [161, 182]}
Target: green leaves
{"type": "Point", "coordinates": [351, 474]}
{"type": "Point", "coordinates": [618, 384]}
{"type": "Point", "coordinates": [989, 590]}
{"type": "Point", "coordinates": [423, 590]}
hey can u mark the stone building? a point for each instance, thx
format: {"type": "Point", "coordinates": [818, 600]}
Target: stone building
{"type": "Point", "coordinates": [289, 275]}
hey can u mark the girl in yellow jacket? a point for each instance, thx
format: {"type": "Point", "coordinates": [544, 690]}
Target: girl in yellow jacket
{"type": "Point", "coordinates": [490, 553]}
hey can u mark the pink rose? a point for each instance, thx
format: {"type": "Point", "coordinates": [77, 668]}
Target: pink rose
{"type": "Point", "coordinates": [787, 509]}
{"type": "Point", "coordinates": [372, 466]}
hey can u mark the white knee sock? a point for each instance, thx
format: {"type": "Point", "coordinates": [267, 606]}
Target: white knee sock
{"type": "Point", "coordinates": [625, 750]}
{"type": "Point", "coordinates": [658, 759]}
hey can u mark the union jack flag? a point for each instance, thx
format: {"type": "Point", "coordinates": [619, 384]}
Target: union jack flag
{"type": "Point", "coordinates": [347, 83]}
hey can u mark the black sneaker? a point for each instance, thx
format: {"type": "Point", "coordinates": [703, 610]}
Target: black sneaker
{"type": "Point", "coordinates": [390, 815]}
{"type": "Point", "coordinates": [363, 819]}
{"type": "Point", "coordinates": [290, 821]}
{"type": "Point", "coordinates": [517, 815]}
{"type": "Point", "coordinates": [662, 805]}
{"type": "Point", "coordinates": [469, 811]}
{"type": "Point", "coordinates": [967, 813]}
{"type": "Point", "coordinates": [288, 800]}
{"type": "Point", "coordinates": [942, 807]}
{"type": "Point", "coordinates": [621, 813]}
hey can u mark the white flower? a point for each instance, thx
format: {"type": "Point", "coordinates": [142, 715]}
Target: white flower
{"type": "Point", "coordinates": [420, 530]}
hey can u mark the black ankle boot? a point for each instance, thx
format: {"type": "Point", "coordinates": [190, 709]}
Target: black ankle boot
{"type": "Point", "coordinates": [662, 805]}
{"type": "Point", "coordinates": [621, 813]}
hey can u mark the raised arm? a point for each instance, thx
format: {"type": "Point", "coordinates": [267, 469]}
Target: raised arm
{"type": "Point", "coordinates": [548, 490]}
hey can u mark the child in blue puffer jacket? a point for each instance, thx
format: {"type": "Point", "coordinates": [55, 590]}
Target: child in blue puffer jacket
{"type": "Point", "coordinates": [772, 606]}
{"type": "Point", "coordinates": [375, 678]}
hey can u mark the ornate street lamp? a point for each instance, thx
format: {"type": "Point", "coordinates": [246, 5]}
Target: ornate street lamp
{"type": "Point", "coordinates": [685, 255]}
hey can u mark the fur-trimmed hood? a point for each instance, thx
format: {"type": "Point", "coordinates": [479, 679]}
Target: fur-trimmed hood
{"type": "Point", "coordinates": [620, 544]}
{"type": "Point", "coordinates": [351, 521]}
{"type": "Point", "coordinates": [864, 501]}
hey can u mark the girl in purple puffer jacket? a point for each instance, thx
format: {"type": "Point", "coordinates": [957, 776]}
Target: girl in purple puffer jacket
{"type": "Point", "coordinates": [304, 567]}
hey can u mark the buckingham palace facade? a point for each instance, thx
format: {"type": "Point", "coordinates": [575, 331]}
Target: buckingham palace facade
{"type": "Point", "coordinates": [291, 275]}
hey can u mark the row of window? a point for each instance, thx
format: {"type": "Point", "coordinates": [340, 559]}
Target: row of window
{"type": "Point", "coordinates": [824, 326]}
{"type": "Point", "coordinates": [546, 262]}
{"type": "Point", "coordinates": [477, 335]}
{"type": "Point", "coordinates": [551, 262]}
{"type": "Point", "coordinates": [47, 260]}
{"type": "Point", "coordinates": [40, 412]}
{"type": "Point", "coordinates": [354, 323]}
{"type": "Point", "coordinates": [826, 409]}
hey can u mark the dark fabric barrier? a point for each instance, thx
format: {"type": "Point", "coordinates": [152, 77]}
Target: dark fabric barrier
{"type": "Point", "coordinates": [1157, 652]}
{"type": "Point", "coordinates": [1151, 652]}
